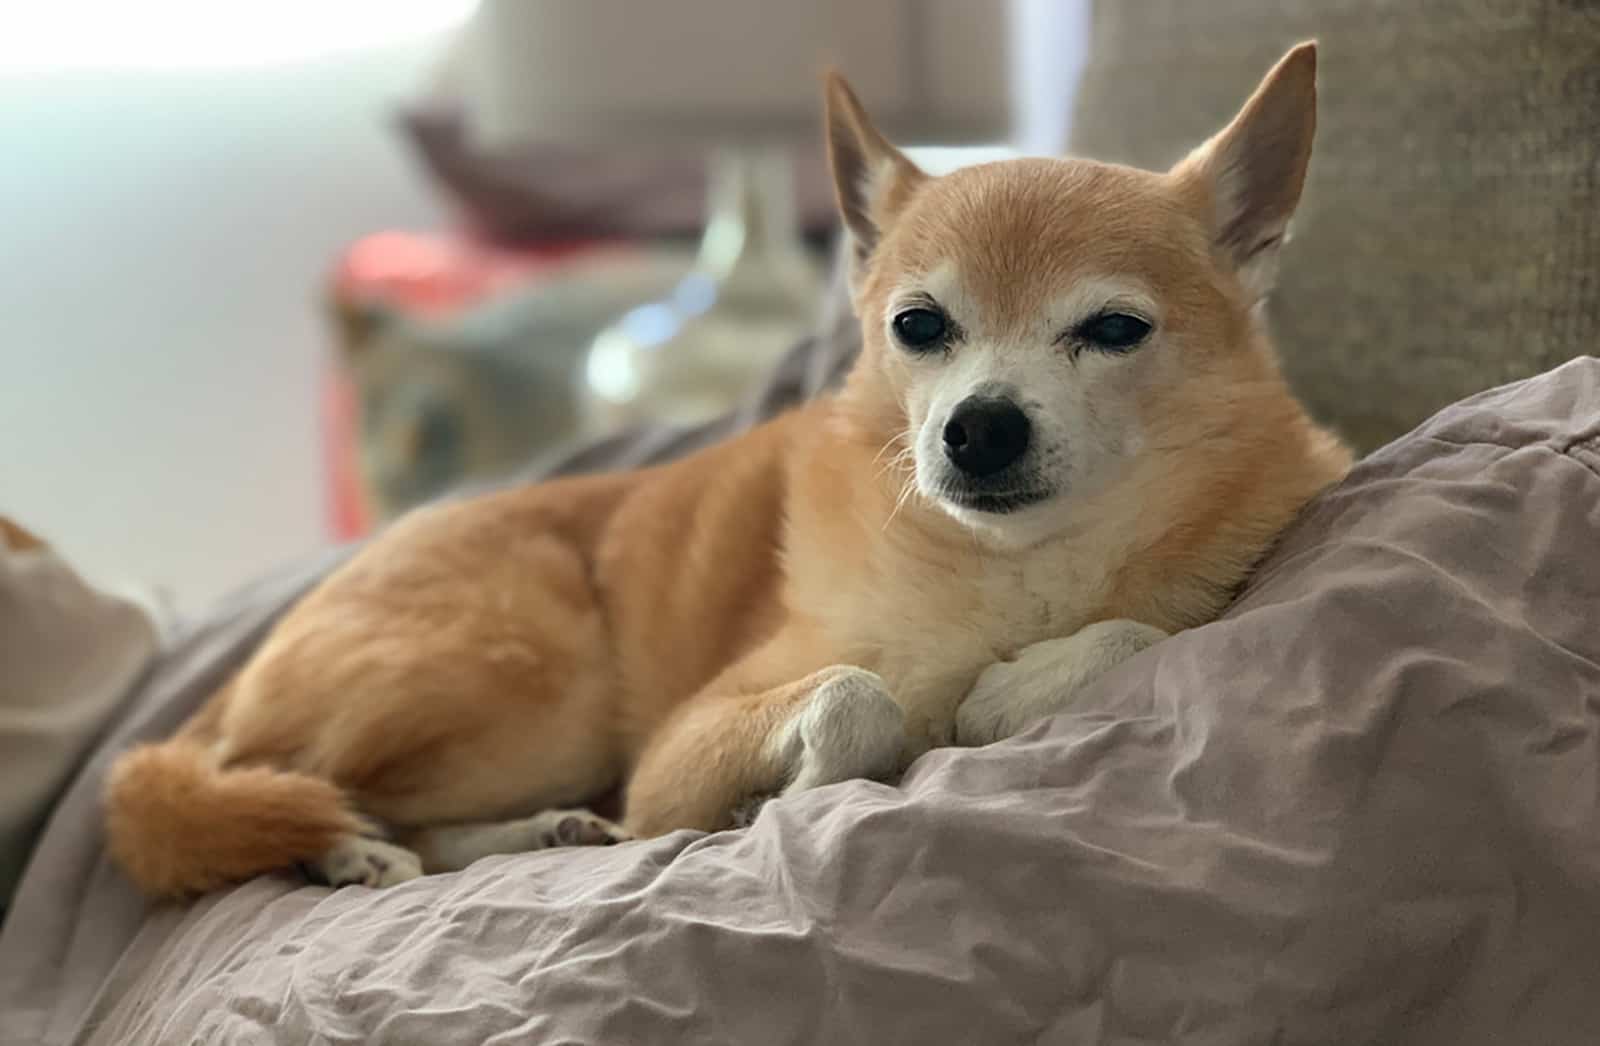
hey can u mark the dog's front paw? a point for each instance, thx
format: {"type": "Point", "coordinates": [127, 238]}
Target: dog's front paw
{"type": "Point", "coordinates": [850, 727]}
{"type": "Point", "coordinates": [1011, 695]}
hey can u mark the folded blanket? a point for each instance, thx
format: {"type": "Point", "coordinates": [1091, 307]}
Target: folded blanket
{"type": "Point", "coordinates": [69, 652]}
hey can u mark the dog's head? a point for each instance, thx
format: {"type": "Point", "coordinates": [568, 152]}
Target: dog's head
{"type": "Point", "coordinates": [1036, 326]}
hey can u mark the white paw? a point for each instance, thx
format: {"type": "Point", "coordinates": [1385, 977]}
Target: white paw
{"type": "Point", "coordinates": [357, 860]}
{"type": "Point", "coordinates": [849, 728]}
{"type": "Point", "coordinates": [576, 828]}
{"type": "Point", "coordinates": [452, 847]}
{"type": "Point", "coordinates": [1011, 695]}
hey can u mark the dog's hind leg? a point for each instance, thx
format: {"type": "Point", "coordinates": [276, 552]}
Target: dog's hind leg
{"type": "Point", "coordinates": [450, 848]}
{"type": "Point", "coordinates": [360, 860]}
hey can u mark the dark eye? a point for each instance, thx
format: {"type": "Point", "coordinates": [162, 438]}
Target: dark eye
{"type": "Point", "coordinates": [921, 329]}
{"type": "Point", "coordinates": [1112, 331]}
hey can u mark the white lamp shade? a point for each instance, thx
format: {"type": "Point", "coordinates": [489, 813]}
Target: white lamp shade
{"type": "Point", "coordinates": [930, 71]}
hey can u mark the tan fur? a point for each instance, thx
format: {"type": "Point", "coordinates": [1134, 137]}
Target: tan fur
{"type": "Point", "coordinates": [659, 629]}
{"type": "Point", "coordinates": [180, 824]}
{"type": "Point", "coordinates": [18, 538]}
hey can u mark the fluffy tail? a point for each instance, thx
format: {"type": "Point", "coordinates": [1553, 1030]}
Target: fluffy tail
{"type": "Point", "coordinates": [180, 824]}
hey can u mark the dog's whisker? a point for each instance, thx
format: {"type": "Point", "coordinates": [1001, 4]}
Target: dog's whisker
{"type": "Point", "coordinates": [903, 437]}
{"type": "Point", "coordinates": [907, 489]}
{"type": "Point", "coordinates": [901, 460]}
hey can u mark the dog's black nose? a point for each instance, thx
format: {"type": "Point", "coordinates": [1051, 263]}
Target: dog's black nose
{"type": "Point", "coordinates": [985, 434]}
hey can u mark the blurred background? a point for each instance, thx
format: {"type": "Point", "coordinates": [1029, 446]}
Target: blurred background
{"type": "Point", "coordinates": [271, 274]}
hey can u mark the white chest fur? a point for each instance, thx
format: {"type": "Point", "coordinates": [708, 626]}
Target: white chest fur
{"type": "Point", "coordinates": [931, 623]}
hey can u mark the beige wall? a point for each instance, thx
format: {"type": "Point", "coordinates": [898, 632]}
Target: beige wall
{"type": "Point", "coordinates": [162, 239]}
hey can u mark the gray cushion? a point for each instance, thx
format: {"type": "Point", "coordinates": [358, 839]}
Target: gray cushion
{"type": "Point", "coordinates": [1448, 240]}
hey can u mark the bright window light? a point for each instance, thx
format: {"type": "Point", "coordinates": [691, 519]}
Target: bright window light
{"type": "Point", "coordinates": [45, 35]}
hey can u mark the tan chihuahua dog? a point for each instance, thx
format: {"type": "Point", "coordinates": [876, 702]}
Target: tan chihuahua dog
{"type": "Point", "coordinates": [1066, 437]}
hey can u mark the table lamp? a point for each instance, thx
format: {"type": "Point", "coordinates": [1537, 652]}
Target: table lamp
{"type": "Point", "coordinates": [741, 78]}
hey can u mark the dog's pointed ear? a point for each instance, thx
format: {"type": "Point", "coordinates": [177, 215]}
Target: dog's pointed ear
{"type": "Point", "coordinates": [1250, 174]}
{"type": "Point", "coordinates": [871, 178]}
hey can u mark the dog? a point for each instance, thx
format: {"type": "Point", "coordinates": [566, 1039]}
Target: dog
{"type": "Point", "coordinates": [1066, 437]}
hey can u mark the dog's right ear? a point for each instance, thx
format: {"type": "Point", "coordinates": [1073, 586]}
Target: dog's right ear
{"type": "Point", "coordinates": [872, 178]}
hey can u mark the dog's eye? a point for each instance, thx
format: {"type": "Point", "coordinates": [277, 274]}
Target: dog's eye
{"type": "Point", "coordinates": [921, 329]}
{"type": "Point", "coordinates": [1112, 331]}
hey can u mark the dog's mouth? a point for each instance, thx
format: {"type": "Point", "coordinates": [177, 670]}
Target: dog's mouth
{"type": "Point", "coordinates": [994, 503]}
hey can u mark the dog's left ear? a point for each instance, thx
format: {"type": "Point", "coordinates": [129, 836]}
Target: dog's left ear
{"type": "Point", "coordinates": [871, 177]}
{"type": "Point", "coordinates": [1251, 173]}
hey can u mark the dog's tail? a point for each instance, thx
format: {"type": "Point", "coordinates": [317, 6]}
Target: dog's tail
{"type": "Point", "coordinates": [179, 823]}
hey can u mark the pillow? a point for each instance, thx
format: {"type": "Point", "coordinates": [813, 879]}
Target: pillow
{"type": "Point", "coordinates": [1447, 239]}
{"type": "Point", "coordinates": [69, 652]}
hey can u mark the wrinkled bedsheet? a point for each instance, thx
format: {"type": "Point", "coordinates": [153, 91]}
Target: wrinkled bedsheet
{"type": "Point", "coordinates": [1363, 807]}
